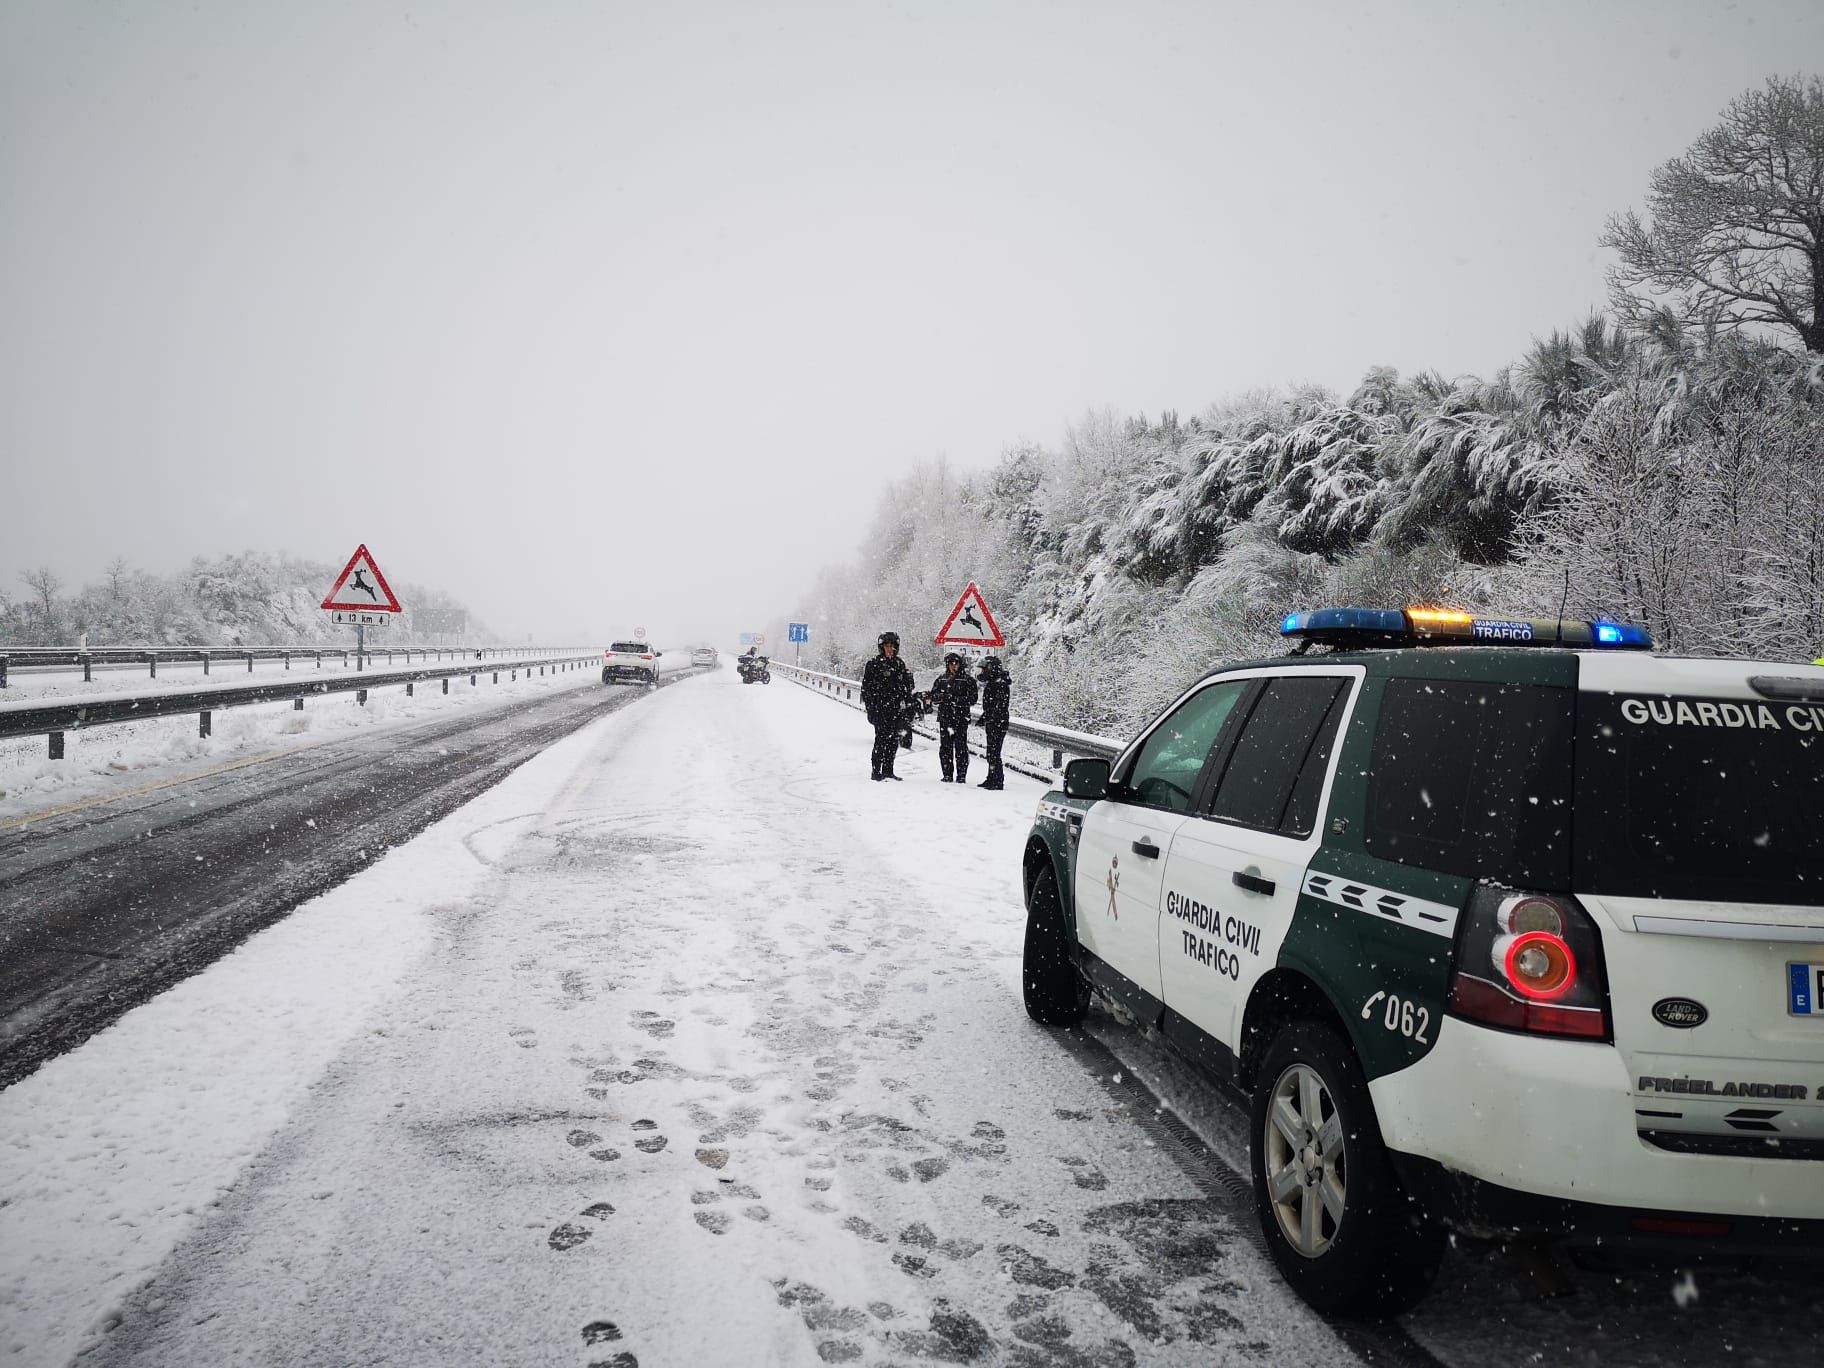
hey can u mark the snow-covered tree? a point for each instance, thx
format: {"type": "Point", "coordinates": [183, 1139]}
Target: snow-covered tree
{"type": "Point", "coordinates": [1735, 234]}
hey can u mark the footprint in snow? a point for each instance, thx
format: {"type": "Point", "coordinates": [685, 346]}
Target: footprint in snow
{"type": "Point", "coordinates": [524, 1037]}
{"type": "Point", "coordinates": [715, 1222]}
{"type": "Point", "coordinates": [568, 1236]}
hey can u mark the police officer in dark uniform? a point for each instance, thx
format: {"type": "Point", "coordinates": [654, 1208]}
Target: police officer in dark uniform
{"type": "Point", "coordinates": [953, 695]}
{"type": "Point", "coordinates": [886, 692]}
{"type": "Point", "coordinates": [997, 696]}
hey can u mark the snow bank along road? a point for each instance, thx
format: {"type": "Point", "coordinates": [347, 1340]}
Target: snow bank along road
{"type": "Point", "coordinates": [104, 904]}
{"type": "Point", "coordinates": [684, 1044]}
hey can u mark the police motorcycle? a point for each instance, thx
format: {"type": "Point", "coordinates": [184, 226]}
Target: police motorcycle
{"type": "Point", "coordinates": [753, 668]}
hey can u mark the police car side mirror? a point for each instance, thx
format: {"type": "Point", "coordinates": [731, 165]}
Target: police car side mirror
{"type": "Point", "coordinates": [1086, 778]}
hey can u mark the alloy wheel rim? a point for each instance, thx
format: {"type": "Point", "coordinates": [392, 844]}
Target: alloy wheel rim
{"type": "Point", "coordinates": [1306, 1160]}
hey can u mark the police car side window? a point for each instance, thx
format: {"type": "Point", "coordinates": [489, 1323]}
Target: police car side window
{"type": "Point", "coordinates": [1474, 778]}
{"type": "Point", "coordinates": [1275, 749]}
{"type": "Point", "coordinates": [1301, 808]}
{"type": "Point", "coordinates": [1164, 773]}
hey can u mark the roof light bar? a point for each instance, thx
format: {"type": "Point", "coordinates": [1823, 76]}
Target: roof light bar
{"type": "Point", "coordinates": [1365, 627]}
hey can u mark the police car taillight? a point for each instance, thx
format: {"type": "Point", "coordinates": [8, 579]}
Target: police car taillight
{"type": "Point", "coordinates": [1530, 962]}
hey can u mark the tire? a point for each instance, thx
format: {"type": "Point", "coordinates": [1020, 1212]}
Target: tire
{"type": "Point", "coordinates": [605, 678]}
{"type": "Point", "coordinates": [1056, 993]}
{"type": "Point", "coordinates": [1342, 1232]}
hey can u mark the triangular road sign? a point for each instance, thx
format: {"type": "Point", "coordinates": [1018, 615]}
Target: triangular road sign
{"type": "Point", "coordinates": [361, 585]}
{"type": "Point", "coordinates": [970, 623]}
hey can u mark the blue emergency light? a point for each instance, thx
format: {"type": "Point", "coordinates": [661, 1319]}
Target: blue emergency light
{"type": "Point", "coordinates": [1366, 627]}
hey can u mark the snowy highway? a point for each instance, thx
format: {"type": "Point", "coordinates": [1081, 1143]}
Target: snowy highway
{"type": "Point", "coordinates": [106, 903]}
{"type": "Point", "coordinates": [685, 1044]}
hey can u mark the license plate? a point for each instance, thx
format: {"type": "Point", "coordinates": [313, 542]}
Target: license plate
{"type": "Point", "coordinates": [1805, 990]}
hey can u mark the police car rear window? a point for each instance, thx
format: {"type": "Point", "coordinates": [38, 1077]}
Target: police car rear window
{"type": "Point", "coordinates": [1701, 798]}
{"type": "Point", "coordinates": [1474, 778]}
{"type": "Point", "coordinates": [631, 647]}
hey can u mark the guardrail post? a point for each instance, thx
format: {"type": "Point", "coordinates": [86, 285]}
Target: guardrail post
{"type": "Point", "coordinates": [2, 672]}
{"type": "Point", "coordinates": [205, 662]}
{"type": "Point", "coordinates": [408, 688]}
{"type": "Point", "coordinates": [87, 676]}
{"type": "Point", "coordinates": [297, 704]}
{"type": "Point", "coordinates": [202, 723]}
{"type": "Point", "coordinates": [474, 682]}
{"type": "Point", "coordinates": [1057, 758]}
{"type": "Point", "coordinates": [56, 745]}
{"type": "Point", "coordinates": [250, 662]}
{"type": "Point", "coordinates": [361, 697]}
{"type": "Point", "coordinates": [152, 660]}
{"type": "Point", "coordinates": [497, 676]}
{"type": "Point", "coordinates": [446, 684]}
{"type": "Point", "coordinates": [288, 660]}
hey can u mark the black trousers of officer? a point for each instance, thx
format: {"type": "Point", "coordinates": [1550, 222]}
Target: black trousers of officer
{"type": "Point", "coordinates": [995, 735]}
{"type": "Point", "coordinates": [953, 748]}
{"type": "Point", "coordinates": [886, 743]}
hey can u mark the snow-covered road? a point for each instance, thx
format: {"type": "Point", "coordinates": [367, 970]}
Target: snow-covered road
{"type": "Point", "coordinates": [715, 1056]}
{"type": "Point", "coordinates": [686, 1044]}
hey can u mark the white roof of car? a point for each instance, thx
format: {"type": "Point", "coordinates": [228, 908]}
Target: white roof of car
{"type": "Point", "coordinates": [1640, 672]}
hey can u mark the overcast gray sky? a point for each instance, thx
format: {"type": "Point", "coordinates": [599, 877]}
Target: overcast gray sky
{"type": "Point", "coordinates": [605, 314]}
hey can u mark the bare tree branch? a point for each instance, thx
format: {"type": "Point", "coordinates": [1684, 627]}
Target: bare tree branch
{"type": "Point", "coordinates": [1736, 235]}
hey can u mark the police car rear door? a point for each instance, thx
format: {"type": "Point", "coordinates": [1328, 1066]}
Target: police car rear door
{"type": "Point", "coordinates": [1232, 883]}
{"type": "Point", "coordinates": [1127, 836]}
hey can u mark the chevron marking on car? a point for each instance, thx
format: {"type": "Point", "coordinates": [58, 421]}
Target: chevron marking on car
{"type": "Point", "coordinates": [1059, 812]}
{"type": "Point", "coordinates": [1438, 918]}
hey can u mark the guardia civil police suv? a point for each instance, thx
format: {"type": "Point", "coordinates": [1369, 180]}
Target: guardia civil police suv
{"type": "Point", "coordinates": [1510, 926]}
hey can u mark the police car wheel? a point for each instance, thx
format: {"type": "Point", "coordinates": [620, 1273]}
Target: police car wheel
{"type": "Point", "coordinates": [1339, 1227]}
{"type": "Point", "coordinates": [1056, 994]}
{"type": "Point", "coordinates": [604, 674]}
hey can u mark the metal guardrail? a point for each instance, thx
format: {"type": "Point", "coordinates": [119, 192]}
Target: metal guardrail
{"type": "Point", "coordinates": [1062, 740]}
{"type": "Point", "coordinates": [33, 718]}
{"type": "Point", "coordinates": [89, 657]}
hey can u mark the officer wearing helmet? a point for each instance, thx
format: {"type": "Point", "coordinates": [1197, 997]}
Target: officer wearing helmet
{"type": "Point", "coordinates": [886, 693]}
{"type": "Point", "coordinates": [953, 694]}
{"type": "Point", "coordinates": [997, 697]}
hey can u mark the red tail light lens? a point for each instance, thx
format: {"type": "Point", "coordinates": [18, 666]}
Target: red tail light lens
{"type": "Point", "coordinates": [1540, 965]}
{"type": "Point", "coordinates": [1530, 962]}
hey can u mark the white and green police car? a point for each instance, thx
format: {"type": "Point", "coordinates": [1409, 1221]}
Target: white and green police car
{"type": "Point", "coordinates": [1507, 926]}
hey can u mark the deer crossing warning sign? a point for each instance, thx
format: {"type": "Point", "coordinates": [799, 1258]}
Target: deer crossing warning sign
{"type": "Point", "coordinates": [361, 591]}
{"type": "Point", "coordinates": [970, 623]}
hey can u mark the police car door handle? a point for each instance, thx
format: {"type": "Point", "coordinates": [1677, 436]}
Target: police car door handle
{"type": "Point", "coordinates": [1146, 848]}
{"type": "Point", "coordinates": [1254, 883]}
